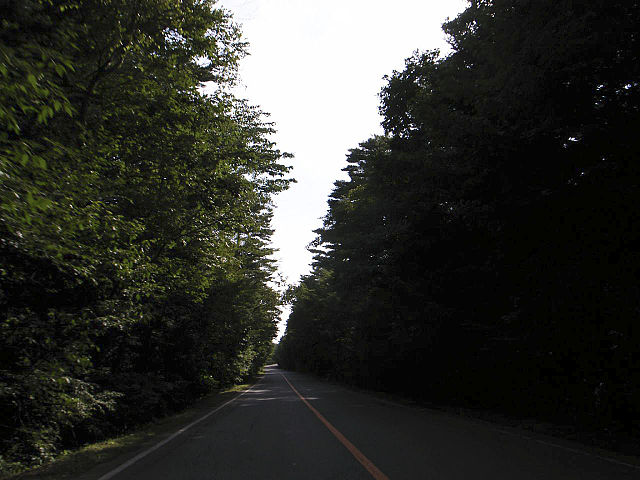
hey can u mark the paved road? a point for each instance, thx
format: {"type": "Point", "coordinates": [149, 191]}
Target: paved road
{"type": "Point", "coordinates": [271, 433]}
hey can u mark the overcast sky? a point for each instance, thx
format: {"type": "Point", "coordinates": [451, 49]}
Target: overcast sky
{"type": "Point", "coordinates": [317, 68]}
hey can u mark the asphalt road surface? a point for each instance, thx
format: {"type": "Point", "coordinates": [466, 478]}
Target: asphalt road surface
{"type": "Point", "coordinates": [293, 426]}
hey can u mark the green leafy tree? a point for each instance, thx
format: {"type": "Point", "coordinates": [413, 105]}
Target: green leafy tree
{"type": "Point", "coordinates": [136, 198]}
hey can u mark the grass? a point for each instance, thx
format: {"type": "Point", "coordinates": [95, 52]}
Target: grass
{"type": "Point", "coordinates": [93, 461]}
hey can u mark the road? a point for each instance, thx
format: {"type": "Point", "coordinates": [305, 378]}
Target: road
{"type": "Point", "coordinates": [270, 432]}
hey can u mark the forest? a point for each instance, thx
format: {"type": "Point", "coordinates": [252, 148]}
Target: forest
{"type": "Point", "coordinates": [485, 251]}
{"type": "Point", "coordinates": [135, 204]}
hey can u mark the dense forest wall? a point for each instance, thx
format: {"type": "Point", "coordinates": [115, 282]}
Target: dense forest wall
{"type": "Point", "coordinates": [134, 218]}
{"type": "Point", "coordinates": [486, 250]}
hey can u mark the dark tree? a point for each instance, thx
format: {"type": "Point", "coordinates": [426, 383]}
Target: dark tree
{"type": "Point", "coordinates": [486, 251]}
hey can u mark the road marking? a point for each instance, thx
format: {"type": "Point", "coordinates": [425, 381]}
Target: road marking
{"type": "Point", "coordinates": [568, 449]}
{"type": "Point", "coordinates": [143, 454]}
{"type": "Point", "coordinates": [488, 424]}
{"type": "Point", "coordinates": [366, 463]}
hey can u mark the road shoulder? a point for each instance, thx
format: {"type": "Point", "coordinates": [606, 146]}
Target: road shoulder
{"type": "Point", "coordinates": [560, 436]}
{"type": "Point", "coordinates": [94, 460]}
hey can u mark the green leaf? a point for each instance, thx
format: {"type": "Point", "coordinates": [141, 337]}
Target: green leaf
{"type": "Point", "coordinates": [40, 162]}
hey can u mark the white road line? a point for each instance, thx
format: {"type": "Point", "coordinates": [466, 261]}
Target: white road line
{"type": "Point", "coordinates": [491, 426]}
{"type": "Point", "coordinates": [488, 424]}
{"type": "Point", "coordinates": [569, 449]}
{"type": "Point", "coordinates": [143, 454]}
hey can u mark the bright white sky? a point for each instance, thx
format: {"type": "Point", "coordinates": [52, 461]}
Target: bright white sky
{"type": "Point", "coordinates": [317, 68]}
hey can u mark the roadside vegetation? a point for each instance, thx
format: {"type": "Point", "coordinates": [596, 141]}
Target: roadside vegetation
{"type": "Point", "coordinates": [135, 201]}
{"type": "Point", "coordinates": [485, 251]}
{"type": "Point", "coordinates": [102, 457]}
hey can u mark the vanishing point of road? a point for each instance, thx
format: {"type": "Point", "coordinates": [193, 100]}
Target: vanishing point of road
{"type": "Point", "coordinates": [294, 426]}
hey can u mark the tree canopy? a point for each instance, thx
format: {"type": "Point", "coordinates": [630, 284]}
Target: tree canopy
{"type": "Point", "coordinates": [135, 206]}
{"type": "Point", "coordinates": [484, 251]}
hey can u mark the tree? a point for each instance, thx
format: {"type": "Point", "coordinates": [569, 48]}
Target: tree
{"type": "Point", "coordinates": [136, 198]}
{"type": "Point", "coordinates": [487, 247]}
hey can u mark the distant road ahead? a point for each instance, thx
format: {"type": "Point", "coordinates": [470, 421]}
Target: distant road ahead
{"type": "Point", "coordinates": [335, 433]}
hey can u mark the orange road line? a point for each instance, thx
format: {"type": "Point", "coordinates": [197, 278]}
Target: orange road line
{"type": "Point", "coordinates": [366, 463]}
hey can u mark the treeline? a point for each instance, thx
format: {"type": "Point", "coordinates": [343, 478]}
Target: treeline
{"type": "Point", "coordinates": [134, 218]}
{"type": "Point", "coordinates": [486, 250]}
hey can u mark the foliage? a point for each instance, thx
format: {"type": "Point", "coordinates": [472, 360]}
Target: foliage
{"type": "Point", "coordinates": [487, 244]}
{"type": "Point", "coordinates": [134, 217]}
